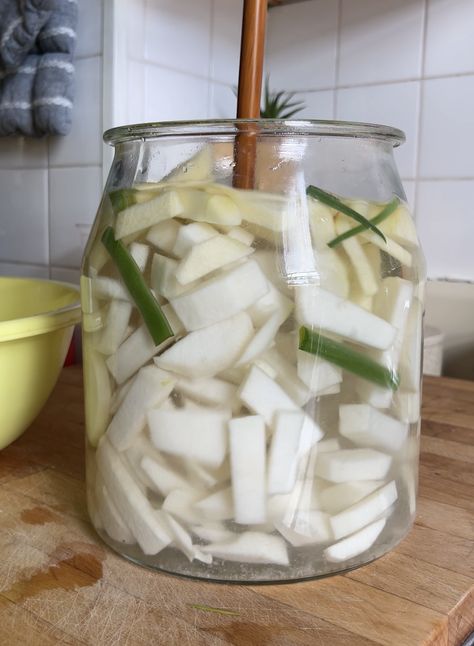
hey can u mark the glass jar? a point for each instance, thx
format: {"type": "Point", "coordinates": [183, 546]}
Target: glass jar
{"type": "Point", "coordinates": [252, 313]}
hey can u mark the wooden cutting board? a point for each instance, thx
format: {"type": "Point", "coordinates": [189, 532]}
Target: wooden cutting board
{"type": "Point", "coordinates": [61, 585]}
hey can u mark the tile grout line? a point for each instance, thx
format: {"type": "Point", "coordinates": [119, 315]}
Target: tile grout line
{"type": "Point", "coordinates": [420, 112]}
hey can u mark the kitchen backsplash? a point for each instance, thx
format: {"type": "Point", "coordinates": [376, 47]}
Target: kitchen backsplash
{"type": "Point", "coordinates": [408, 63]}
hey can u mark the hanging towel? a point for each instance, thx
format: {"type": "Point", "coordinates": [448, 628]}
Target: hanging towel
{"type": "Point", "coordinates": [37, 88]}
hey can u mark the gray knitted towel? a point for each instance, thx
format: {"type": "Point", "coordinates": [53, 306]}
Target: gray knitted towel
{"type": "Point", "coordinates": [37, 40]}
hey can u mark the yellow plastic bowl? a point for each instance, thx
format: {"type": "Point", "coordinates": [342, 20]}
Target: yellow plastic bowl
{"type": "Point", "coordinates": [37, 319]}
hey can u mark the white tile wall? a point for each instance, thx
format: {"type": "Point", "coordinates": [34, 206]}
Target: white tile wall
{"type": "Point", "coordinates": [222, 101]}
{"type": "Point", "coordinates": [318, 105]}
{"type": "Point", "coordinates": [89, 29]}
{"type": "Point", "coordinates": [171, 95]}
{"type": "Point", "coordinates": [446, 227]}
{"type": "Point", "coordinates": [23, 152]}
{"type": "Point", "coordinates": [225, 40]}
{"type": "Point", "coordinates": [25, 271]}
{"type": "Point", "coordinates": [381, 40]}
{"type": "Point", "coordinates": [301, 45]}
{"type": "Point", "coordinates": [449, 37]}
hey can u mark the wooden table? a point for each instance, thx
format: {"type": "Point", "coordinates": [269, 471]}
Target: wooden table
{"type": "Point", "coordinates": [61, 585]}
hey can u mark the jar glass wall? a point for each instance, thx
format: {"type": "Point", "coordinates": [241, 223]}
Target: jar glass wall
{"type": "Point", "coordinates": [252, 330]}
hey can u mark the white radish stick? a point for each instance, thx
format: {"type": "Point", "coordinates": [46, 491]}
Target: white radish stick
{"type": "Point", "coordinates": [142, 216]}
{"type": "Point", "coordinates": [163, 277]}
{"type": "Point", "coordinates": [338, 497]}
{"type": "Point", "coordinates": [356, 544]}
{"type": "Point", "coordinates": [209, 351]}
{"type": "Point", "coordinates": [287, 377]}
{"type": "Point", "coordinates": [150, 388]}
{"type": "Point", "coordinates": [190, 235]}
{"type": "Point", "coordinates": [209, 391]}
{"type": "Point", "coordinates": [212, 532]}
{"type": "Point", "coordinates": [284, 452]}
{"type": "Point", "coordinates": [237, 233]}
{"type": "Point", "coordinates": [318, 375]}
{"type": "Point", "coordinates": [180, 503]}
{"type": "Point", "coordinates": [307, 527]}
{"type": "Point", "coordinates": [202, 206]}
{"type": "Point", "coordinates": [247, 464]}
{"type": "Point", "coordinates": [410, 355]}
{"type": "Point", "coordinates": [353, 464]}
{"type": "Point", "coordinates": [407, 405]}
{"type": "Point", "coordinates": [198, 434]}
{"type": "Point", "coordinates": [131, 503]}
{"type": "Point", "coordinates": [217, 506]}
{"type": "Point", "coordinates": [109, 288]}
{"type": "Point", "coordinates": [250, 547]}
{"type": "Point", "coordinates": [366, 426]}
{"type": "Point", "coordinates": [182, 540]}
{"type": "Point", "coordinates": [360, 263]}
{"type": "Point", "coordinates": [263, 339]}
{"type": "Point", "coordinates": [115, 329]}
{"type": "Point", "coordinates": [98, 395]}
{"type": "Point", "coordinates": [112, 521]}
{"type": "Point", "coordinates": [140, 253]}
{"type": "Point", "coordinates": [318, 308]}
{"type": "Point", "coordinates": [221, 297]}
{"type": "Point", "coordinates": [273, 302]}
{"type": "Point", "coordinates": [162, 476]}
{"type": "Point", "coordinates": [163, 236]}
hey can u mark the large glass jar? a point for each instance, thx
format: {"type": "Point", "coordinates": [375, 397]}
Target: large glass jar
{"type": "Point", "coordinates": [252, 314]}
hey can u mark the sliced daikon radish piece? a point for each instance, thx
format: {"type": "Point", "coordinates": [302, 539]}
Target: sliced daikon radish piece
{"type": "Point", "coordinates": [202, 206]}
{"type": "Point", "coordinates": [366, 426]}
{"type": "Point", "coordinates": [237, 233]}
{"type": "Point", "coordinates": [140, 253]}
{"type": "Point", "coordinates": [133, 457]}
{"type": "Point", "coordinates": [247, 464]}
{"type": "Point", "coordinates": [331, 390]}
{"type": "Point", "coordinates": [265, 397]}
{"type": "Point", "coordinates": [364, 512]}
{"type": "Point", "coordinates": [277, 506]}
{"type": "Point", "coordinates": [197, 168]}
{"type": "Point", "coordinates": [98, 394]}
{"type": "Point", "coordinates": [119, 396]}
{"type": "Point", "coordinates": [266, 367]}
{"type": "Point", "coordinates": [273, 302]}
{"type": "Point", "coordinates": [112, 521]}
{"type": "Point", "coordinates": [209, 391]}
{"type": "Point", "coordinates": [353, 464]}
{"type": "Point", "coordinates": [163, 277]}
{"type": "Point", "coordinates": [410, 354]}
{"type": "Point", "coordinates": [308, 527]}
{"type": "Point", "coordinates": [321, 220]}
{"type": "Point", "coordinates": [207, 478]}
{"type": "Point", "coordinates": [250, 547]}
{"type": "Point", "coordinates": [392, 303]}
{"type": "Point", "coordinates": [337, 497]}
{"type": "Point", "coordinates": [287, 345]}
{"type": "Point", "coordinates": [198, 434]}
{"type": "Point", "coordinates": [112, 335]}
{"type": "Point", "coordinates": [407, 405]}
{"type": "Point", "coordinates": [134, 352]}
{"type": "Point", "coordinates": [163, 477]}
{"type": "Point", "coordinates": [234, 375]}
{"type": "Point", "coordinates": [287, 377]}
{"type": "Point", "coordinates": [315, 307]}
{"type": "Point", "coordinates": [400, 226]}
{"type": "Point", "coordinates": [333, 272]}
{"type": "Point", "coordinates": [207, 352]}
{"type": "Point", "coordinates": [150, 389]}
{"type": "Point", "coordinates": [130, 501]}
{"type": "Point", "coordinates": [358, 297]}
{"type": "Point", "coordinates": [208, 256]}
{"type": "Point", "coordinates": [142, 216]}
{"type": "Point", "coordinates": [221, 297]}
{"type": "Point", "coordinates": [326, 446]}
{"type": "Point", "coordinates": [217, 506]}
{"type": "Point", "coordinates": [316, 373]}
{"type": "Point", "coordinates": [267, 262]}
{"type": "Point", "coordinates": [284, 452]}
{"type": "Point", "coordinates": [163, 235]}
{"type": "Point", "coordinates": [111, 288]}
{"type": "Point", "coordinates": [267, 210]}
{"type": "Point", "coordinates": [355, 544]}
{"type": "Point", "coordinates": [182, 540]}
{"type": "Point", "coordinates": [390, 246]}
{"type": "Point", "coordinates": [263, 339]}
{"type": "Point", "coordinates": [361, 265]}
{"type": "Point", "coordinates": [190, 235]}
{"type": "Point", "coordinates": [180, 503]}
{"type": "Point", "coordinates": [212, 532]}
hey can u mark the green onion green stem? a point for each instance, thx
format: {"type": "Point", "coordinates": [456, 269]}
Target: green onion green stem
{"type": "Point", "coordinates": [347, 358]}
{"type": "Point", "coordinates": [387, 210]}
{"type": "Point", "coordinates": [335, 203]}
{"type": "Point", "coordinates": [122, 198]}
{"type": "Point", "coordinates": [151, 312]}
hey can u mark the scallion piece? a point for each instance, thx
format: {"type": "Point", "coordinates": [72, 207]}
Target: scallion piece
{"type": "Point", "coordinates": [387, 210]}
{"type": "Point", "coordinates": [347, 358]}
{"type": "Point", "coordinates": [335, 203]}
{"type": "Point", "coordinates": [122, 198]}
{"type": "Point", "coordinates": [151, 312]}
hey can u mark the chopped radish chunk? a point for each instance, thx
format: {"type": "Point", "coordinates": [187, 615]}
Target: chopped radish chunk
{"type": "Point", "coordinates": [202, 206]}
{"type": "Point", "coordinates": [110, 288]}
{"type": "Point", "coordinates": [130, 502]}
{"type": "Point", "coordinates": [163, 477]}
{"type": "Point", "coordinates": [367, 426]}
{"type": "Point", "coordinates": [205, 477]}
{"type": "Point", "coordinates": [198, 168]}
{"type": "Point", "coordinates": [142, 216]}
{"type": "Point", "coordinates": [209, 391]}
{"type": "Point", "coordinates": [217, 506]}
{"type": "Point", "coordinates": [207, 352]}
{"type": "Point", "coordinates": [98, 395]}
{"type": "Point", "coordinates": [163, 235]}
{"type": "Point", "coordinates": [250, 547]}
{"type": "Point", "coordinates": [316, 373]}
{"type": "Point", "coordinates": [326, 446]}
{"type": "Point", "coordinates": [353, 464]}
{"type": "Point", "coordinates": [360, 263]}
{"type": "Point", "coordinates": [199, 434]}
{"type": "Point", "coordinates": [410, 356]}
{"type": "Point", "coordinates": [237, 233]}
{"type": "Point", "coordinates": [263, 339]}
{"type": "Point", "coordinates": [407, 405]}
{"type": "Point", "coordinates": [182, 540]}
{"type": "Point", "coordinates": [389, 246]}
{"type": "Point", "coordinates": [208, 256]}
{"type": "Point", "coordinates": [221, 297]}
{"type": "Point", "coordinates": [112, 521]}
{"type": "Point", "coordinates": [190, 235]}
{"type": "Point", "coordinates": [140, 253]}
{"type": "Point", "coordinates": [337, 497]}
{"type": "Point", "coordinates": [247, 464]}
{"type": "Point", "coordinates": [284, 452]}
{"type": "Point", "coordinates": [400, 226]}
{"type": "Point", "coordinates": [113, 334]}
{"type": "Point", "coordinates": [321, 220]}
{"type": "Point", "coordinates": [355, 544]}
{"type": "Point", "coordinates": [333, 272]}
{"type": "Point", "coordinates": [150, 388]}
{"type": "Point", "coordinates": [180, 503]}
{"type": "Point", "coordinates": [272, 303]}
{"type": "Point", "coordinates": [213, 532]}
{"type": "Point", "coordinates": [308, 526]}
{"type": "Point", "coordinates": [318, 308]}
{"type": "Point", "coordinates": [267, 210]}
{"type": "Point", "coordinates": [163, 277]}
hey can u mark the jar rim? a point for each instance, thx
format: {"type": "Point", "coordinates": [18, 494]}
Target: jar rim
{"type": "Point", "coordinates": [269, 127]}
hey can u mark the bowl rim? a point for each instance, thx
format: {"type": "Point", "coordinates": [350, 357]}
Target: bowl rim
{"type": "Point", "coordinates": [43, 322]}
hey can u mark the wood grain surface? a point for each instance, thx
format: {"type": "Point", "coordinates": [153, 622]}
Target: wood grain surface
{"type": "Point", "coordinates": [61, 585]}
